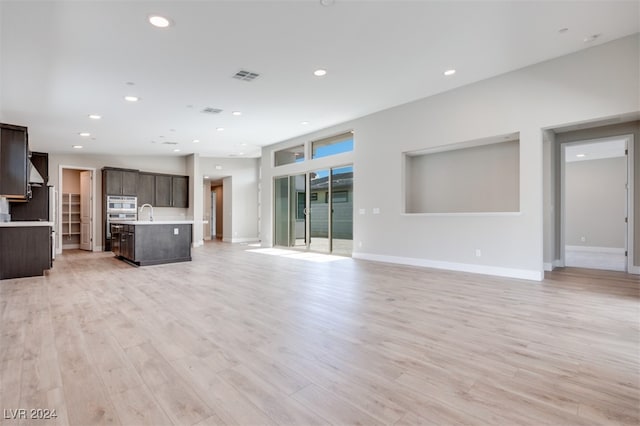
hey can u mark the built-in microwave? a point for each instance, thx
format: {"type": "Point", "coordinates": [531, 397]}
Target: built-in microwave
{"type": "Point", "coordinates": [120, 203]}
{"type": "Point", "coordinates": [120, 208]}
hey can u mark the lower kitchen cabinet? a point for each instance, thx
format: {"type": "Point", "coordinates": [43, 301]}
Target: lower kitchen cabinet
{"type": "Point", "coordinates": [25, 251]}
{"type": "Point", "coordinates": [152, 243]}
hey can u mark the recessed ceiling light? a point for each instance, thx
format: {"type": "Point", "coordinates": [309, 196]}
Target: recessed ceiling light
{"type": "Point", "coordinates": [320, 72]}
{"type": "Point", "coordinates": [95, 116]}
{"type": "Point", "coordinates": [131, 98]}
{"type": "Point", "coordinates": [580, 155]}
{"type": "Point", "coordinates": [449, 72]}
{"type": "Point", "coordinates": [84, 134]}
{"type": "Point", "coordinates": [76, 146]}
{"type": "Point", "coordinates": [236, 113]}
{"type": "Point", "coordinates": [159, 21]}
{"type": "Point", "coordinates": [241, 153]}
{"type": "Point", "coordinates": [176, 150]}
{"type": "Point", "coordinates": [196, 141]}
{"type": "Point", "coordinates": [243, 144]}
{"type": "Point", "coordinates": [220, 129]}
{"type": "Point", "coordinates": [327, 2]}
{"type": "Point", "coordinates": [304, 123]}
{"type": "Point", "coordinates": [206, 177]}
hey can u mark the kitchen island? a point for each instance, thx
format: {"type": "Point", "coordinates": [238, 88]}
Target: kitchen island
{"type": "Point", "coordinates": [145, 242]}
{"type": "Point", "coordinates": [25, 248]}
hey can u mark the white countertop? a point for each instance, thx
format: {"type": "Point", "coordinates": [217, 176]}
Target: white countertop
{"type": "Point", "coordinates": [18, 224]}
{"type": "Point", "coordinates": [155, 222]}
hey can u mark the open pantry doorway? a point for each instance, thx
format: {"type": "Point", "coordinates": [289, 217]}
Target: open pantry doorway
{"type": "Point", "coordinates": [76, 208]}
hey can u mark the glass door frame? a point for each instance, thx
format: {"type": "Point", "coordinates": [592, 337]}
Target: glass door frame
{"type": "Point", "coordinates": [307, 210]}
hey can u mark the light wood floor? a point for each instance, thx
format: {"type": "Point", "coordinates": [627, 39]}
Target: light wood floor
{"type": "Point", "coordinates": [239, 337]}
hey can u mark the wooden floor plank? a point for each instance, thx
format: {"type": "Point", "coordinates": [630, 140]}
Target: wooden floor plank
{"type": "Point", "coordinates": [243, 338]}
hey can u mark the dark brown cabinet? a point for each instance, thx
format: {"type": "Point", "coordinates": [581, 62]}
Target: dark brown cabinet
{"type": "Point", "coordinates": [163, 191]}
{"type": "Point", "coordinates": [14, 162]}
{"type": "Point", "coordinates": [153, 244]}
{"type": "Point", "coordinates": [38, 206]}
{"type": "Point", "coordinates": [25, 251]}
{"type": "Point", "coordinates": [120, 181]}
{"type": "Point", "coordinates": [171, 191]}
{"type": "Point", "coordinates": [180, 191]}
{"type": "Point", "coordinates": [146, 188]}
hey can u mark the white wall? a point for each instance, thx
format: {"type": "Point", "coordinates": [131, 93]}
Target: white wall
{"type": "Point", "coordinates": [602, 132]}
{"type": "Point", "coordinates": [549, 202]}
{"type": "Point", "coordinates": [574, 88]}
{"type": "Point", "coordinates": [240, 195]}
{"type": "Point", "coordinates": [595, 202]}
{"type": "Point", "coordinates": [195, 209]}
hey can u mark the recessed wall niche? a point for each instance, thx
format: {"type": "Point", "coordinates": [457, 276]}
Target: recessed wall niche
{"type": "Point", "coordinates": [473, 177]}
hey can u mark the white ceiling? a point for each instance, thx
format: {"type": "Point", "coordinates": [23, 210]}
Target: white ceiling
{"type": "Point", "coordinates": [63, 60]}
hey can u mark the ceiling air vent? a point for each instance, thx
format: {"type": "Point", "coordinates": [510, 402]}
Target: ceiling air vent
{"type": "Point", "coordinates": [209, 110]}
{"type": "Point", "coordinates": [246, 75]}
{"type": "Point", "coordinates": [169, 143]}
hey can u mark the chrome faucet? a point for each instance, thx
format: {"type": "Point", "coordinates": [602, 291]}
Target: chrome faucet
{"type": "Point", "coordinates": [150, 211]}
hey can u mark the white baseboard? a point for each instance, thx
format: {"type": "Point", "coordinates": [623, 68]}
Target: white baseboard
{"type": "Point", "coordinates": [197, 243]}
{"type": "Point", "coordinates": [634, 270]}
{"type": "Point", "coordinates": [70, 246]}
{"type": "Point", "coordinates": [607, 258]}
{"type": "Point", "coordinates": [240, 240]}
{"type": "Point", "coordinates": [98, 248]}
{"type": "Point", "coordinates": [594, 249]}
{"type": "Point", "coordinates": [550, 266]}
{"type": "Point", "coordinates": [525, 274]}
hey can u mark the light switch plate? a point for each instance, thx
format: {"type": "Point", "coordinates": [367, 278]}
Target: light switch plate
{"type": "Point", "coordinates": [376, 210]}
{"type": "Point", "coordinates": [176, 231]}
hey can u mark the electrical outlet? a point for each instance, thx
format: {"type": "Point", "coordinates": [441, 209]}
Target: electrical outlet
{"type": "Point", "coordinates": [478, 253]}
{"type": "Point", "coordinates": [583, 239]}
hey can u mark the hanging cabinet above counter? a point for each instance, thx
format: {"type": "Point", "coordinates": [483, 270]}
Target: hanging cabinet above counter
{"type": "Point", "coordinates": [14, 162]}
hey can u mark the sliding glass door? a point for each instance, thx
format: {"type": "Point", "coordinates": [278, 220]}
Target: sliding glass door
{"type": "Point", "coordinates": [342, 211]}
{"type": "Point", "coordinates": [290, 218]}
{"type": "Point", "coordinates": [314, 211]}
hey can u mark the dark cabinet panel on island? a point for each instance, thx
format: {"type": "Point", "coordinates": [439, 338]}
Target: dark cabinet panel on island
{"type": "Point", "coordinates": [152, 243]}
{"type": "Point", "coordinates": [14, 162]}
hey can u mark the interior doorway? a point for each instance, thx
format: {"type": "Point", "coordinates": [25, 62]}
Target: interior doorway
{"type": "Point", "coordinates": [76, 208]}
{"type": "Point", "coordinates": [596, 199]}
{"type": "Point", "coordinates": [314, 211]}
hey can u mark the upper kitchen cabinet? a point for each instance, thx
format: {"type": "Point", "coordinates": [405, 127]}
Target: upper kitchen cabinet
{"type": "Point", "coordinates": [146, 188]}
{"type": "Point", "coordinates": [37, 208]}
{"type": "Point", "coordinates": [171, 191]}
{"type": "Point", "coordinates": [120, 181]}
{"type": "Point", "coordinates": [180, 191]}
{"type": "Point", "coordinates": [14, 162]}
